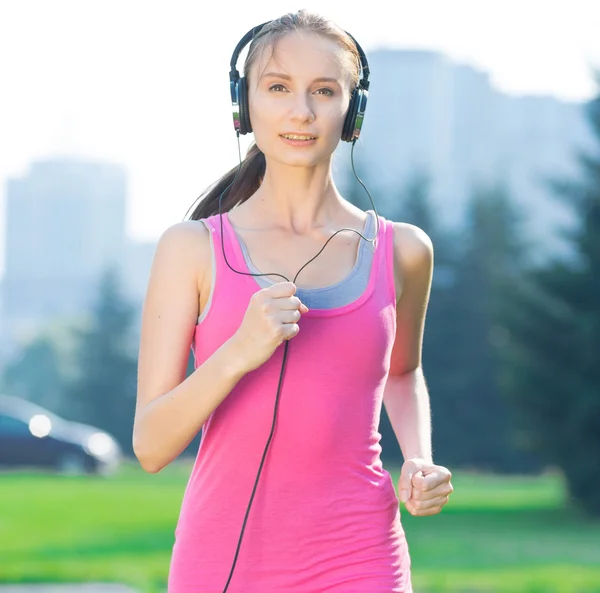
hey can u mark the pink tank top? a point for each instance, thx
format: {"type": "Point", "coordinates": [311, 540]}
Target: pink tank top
{"type": "Point", "coordinates": [325, 517]}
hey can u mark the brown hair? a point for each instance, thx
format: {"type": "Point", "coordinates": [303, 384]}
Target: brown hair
{"type": "Point", "coordinates": [253, 165]}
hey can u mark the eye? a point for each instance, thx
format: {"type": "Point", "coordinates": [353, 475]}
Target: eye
{"type": "Point", "coordinates": [276, 86]}
{"type": "Point", "coordinates": [329, 91]}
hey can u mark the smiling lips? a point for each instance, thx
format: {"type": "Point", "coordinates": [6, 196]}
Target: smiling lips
{"type": "Point", "coordinates": [300, 137]}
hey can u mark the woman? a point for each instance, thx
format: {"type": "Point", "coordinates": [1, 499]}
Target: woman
{"type": "Point", "coordinates": [325, 514]}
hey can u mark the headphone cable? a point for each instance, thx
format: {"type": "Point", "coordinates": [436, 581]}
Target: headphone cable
{"type": "Point", "coordinates": [287, 342]}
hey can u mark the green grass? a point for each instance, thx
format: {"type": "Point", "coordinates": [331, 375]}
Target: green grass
{"type": "Point", "coordinates": [497, 535]}
{"type": "Point", "coordinates": [505, 534]}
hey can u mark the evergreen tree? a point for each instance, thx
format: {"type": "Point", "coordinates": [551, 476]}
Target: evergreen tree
{"type": "Point", "coordinates": [553, 375]}
{"type": "Point", "coordinates": [482, 431]}
{"type": "Point", "coordinates": [414, 204]}
{"type": "Point", "coordinates": [35, 374]}
{"type": "Point", "coordinates": [103, 392]}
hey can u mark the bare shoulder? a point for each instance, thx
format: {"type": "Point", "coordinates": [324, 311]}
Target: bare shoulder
{"type": "Point", "coordinates": [412, 243]}
{"type": "Point", "coordinates": [170, 309]}
{"type": "Point", "coordinates": [413, 254]}
{"type": "Point", "coordinates": [185, 243]}
{"type": "Point", "coordinates": [185, 233]}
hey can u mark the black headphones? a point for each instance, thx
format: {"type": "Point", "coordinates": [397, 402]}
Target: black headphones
{"type": "Point", "coordinates": [239, 93]}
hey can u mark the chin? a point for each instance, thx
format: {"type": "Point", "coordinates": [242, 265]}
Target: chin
{"type": "Point", "coordinates": [302, 160]}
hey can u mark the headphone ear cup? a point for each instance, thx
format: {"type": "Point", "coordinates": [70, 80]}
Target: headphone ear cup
{"type": "Point", "coordinates": [245, 125]}
{"type": "Point", "coordinates": [350, 121]}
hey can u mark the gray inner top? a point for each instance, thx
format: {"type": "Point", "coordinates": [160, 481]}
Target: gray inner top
{"type": "Point", "coordinates": [337, 295]}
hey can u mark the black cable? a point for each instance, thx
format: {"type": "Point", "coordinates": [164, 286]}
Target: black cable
{"type": "Point", "coordinates": [287, 342]}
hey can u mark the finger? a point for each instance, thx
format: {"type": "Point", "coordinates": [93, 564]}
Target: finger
{"type": "Point", "coordinates": [292, 303]}
{"type": "Point", "coordinates": [290, 316]}
{"type": "Point", "coordinates": [418, 481]}
{"type": "Point", "coordinates": [290, 330]}
{"type": "Point", "coordinates": [281, 289]}
{"type": "Point", "coordinates": [426, 512]}
{"type": "Point", "coordinates": [405, 483]}
{"type": "Point", "coordinates": [431, 480]}
{"type": "Point", "coordinates": [443, 489]}
{"type": "Point", "coordinates": [438, 501]}
{"type": "Point", "coordinates": [428, 507]}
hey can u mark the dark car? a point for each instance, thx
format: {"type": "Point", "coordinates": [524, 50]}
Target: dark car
{"type": "Point", "coordinates": [31, 436]}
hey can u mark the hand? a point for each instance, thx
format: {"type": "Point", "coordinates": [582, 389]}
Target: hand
{"type": "Point", "coordinates": [271, 317]}
{"type": "Point", "coordinates": [424, 487]}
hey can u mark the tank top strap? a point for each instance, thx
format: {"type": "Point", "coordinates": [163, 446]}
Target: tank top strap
{"type": "Point", "coordinates": [221, 276]}
{"type": "Point", "coordinates": [213, 223]}
{"type": "Point", "coordinates": [221, 238]}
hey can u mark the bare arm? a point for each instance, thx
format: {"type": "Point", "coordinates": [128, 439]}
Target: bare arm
{"type": "Point", "coordinates": [171, 409]}
{"type": "Point", "coordinates": [405, 397]}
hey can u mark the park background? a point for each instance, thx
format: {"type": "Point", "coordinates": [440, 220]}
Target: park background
{"type": "Point", "coordinates": [118, 107]}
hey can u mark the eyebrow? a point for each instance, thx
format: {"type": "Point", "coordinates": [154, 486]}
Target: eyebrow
{"type": "Point", "coordinates": [286, 77]}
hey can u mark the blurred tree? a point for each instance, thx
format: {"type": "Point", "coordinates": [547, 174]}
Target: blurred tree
{"type": "Point", "coordinates": [554, 355]}
{"type": "Point", "coordinates": [39, 370]}
{"type": "Point", "coordinates": [471, 422]}
{"type": "Point", "coordinates": [103, 390]}
{"type": "Point", "coordinates": [35, 374]}
{"type": "Point", "coordinates": [492, 261]}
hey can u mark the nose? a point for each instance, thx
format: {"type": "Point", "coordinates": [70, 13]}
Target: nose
{"type": "Point", "coordinates": [302, 109]}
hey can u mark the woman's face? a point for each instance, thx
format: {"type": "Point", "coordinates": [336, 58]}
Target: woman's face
{"type": "Point", "coordinates": [299, 88]}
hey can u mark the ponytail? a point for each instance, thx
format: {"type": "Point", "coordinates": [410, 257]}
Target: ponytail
{"type": "Point", "coordinates": [248, 180]}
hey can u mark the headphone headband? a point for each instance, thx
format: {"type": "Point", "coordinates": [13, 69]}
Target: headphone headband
{"type": "Point", "coordinates": [234, 75]}
{"type": "Point", "coordinates": [239, 91]}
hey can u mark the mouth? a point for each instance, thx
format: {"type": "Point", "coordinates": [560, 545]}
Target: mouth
{"type": "Point", "coordinates": [298, 137]}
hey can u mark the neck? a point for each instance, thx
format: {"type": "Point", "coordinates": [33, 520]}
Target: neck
{"type": "Point", "coordinates": [297, 199]}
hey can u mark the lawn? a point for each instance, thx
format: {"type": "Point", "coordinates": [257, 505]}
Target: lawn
{"type": "Point", "coordinates": [497, 535]}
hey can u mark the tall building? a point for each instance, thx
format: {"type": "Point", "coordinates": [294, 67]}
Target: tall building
{"type": "Point", "coordinates": [65, 221]}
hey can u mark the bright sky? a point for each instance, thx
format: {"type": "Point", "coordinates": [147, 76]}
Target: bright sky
{"type": "Point", "coordinates": [145, 83]}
